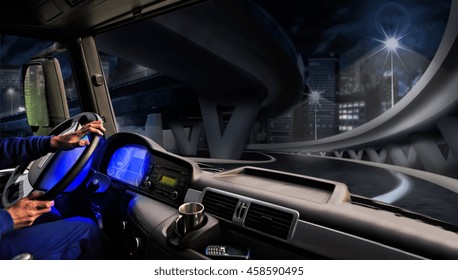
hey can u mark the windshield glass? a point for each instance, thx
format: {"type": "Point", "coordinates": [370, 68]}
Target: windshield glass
{"type": "Point", "coordinates": [232, 83]}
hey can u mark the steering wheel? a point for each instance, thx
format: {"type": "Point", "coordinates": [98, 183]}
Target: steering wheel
{"type": "Point", "coordinates": [68, 163]}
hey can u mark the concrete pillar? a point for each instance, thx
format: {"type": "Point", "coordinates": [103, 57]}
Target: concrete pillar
{"type": "Point", "coordinates": [431, 156]}
{"type": "Point", "coordinates": [374, 156]}
{"type": "Point", "coordinates": [355, 155]}
{"type": "Point", "coordinates": [228, 141]}
{"type": "Point", "coordinates": [449, 130]}
{"type": "Point", "coordinates": [153, 127]}
{"type": "Point", "coordinates": [186, 135]}
{"type": "Point", "coordinates": [400, 158]}
{"type": "Point", "coordinates": [339, 154]}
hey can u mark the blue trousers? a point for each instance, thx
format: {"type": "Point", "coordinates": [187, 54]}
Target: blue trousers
{"type": "Point", "coordinates": [72, 238]}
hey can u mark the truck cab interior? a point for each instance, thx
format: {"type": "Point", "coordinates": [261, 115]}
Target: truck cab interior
{"type": "Point", "coordinates": [192, 94]}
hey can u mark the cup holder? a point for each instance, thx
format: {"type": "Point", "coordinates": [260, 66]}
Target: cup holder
{"type": "Point", "coordinates": [196, 238]}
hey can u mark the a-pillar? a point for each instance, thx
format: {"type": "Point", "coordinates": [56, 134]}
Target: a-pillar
{"type": "Point", "coordinates": [227, 140]}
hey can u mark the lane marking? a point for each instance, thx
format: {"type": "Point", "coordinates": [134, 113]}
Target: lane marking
{"type": "Point", "coordinates": [398, 192]}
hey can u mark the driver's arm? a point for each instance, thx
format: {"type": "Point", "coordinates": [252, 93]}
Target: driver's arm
{"type": "Point", "coordinates": [17, 150]}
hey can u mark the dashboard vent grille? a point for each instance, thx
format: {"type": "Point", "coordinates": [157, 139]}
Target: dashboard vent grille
{"type": "Point", "coordinates": [269, 220]}
{"type": "Point", "coordinates": [220, 205]}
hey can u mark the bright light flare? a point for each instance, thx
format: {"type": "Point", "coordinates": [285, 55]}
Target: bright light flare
{"type": "Point", "coordinates": [315, 97]}
{"type": "Point", "coordinates": [392, 43]}
{"type": "Point", "coordinates": [10, 91]}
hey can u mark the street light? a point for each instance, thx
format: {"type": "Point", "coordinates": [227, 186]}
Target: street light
{"type": "Point", "coordinates": [314, 98]}
{"type": "Point", "coordinates": [11, 92]}
{"type": "Point", "coordinates": [392, 44]}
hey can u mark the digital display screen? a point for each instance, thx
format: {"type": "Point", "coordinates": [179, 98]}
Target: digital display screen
{"type": "Point", "coordinates": [129, 164]}
{"type": "Point", "coordinates": [168, 181]}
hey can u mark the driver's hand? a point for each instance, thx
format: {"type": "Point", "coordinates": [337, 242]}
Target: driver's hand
{"type": "Point", "coordinates": [26, 210]}
{"type": "Point", "coordinates": [73, 140]}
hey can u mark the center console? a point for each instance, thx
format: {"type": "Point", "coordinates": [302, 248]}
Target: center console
{"type": "Point", "coordinates": [154, 236]}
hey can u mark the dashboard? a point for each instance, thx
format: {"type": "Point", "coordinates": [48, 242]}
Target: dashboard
{"type": "Point", "coordinates": [272, 214]}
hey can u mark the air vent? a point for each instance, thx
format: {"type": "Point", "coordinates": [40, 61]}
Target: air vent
{"type": "Point", "coordinates": [269, 220]}
{"type": "Point", "coordinates": [220, 205]}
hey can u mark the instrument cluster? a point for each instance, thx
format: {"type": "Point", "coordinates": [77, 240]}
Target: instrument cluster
{"type": "Point", "coordinates": [149, 171]}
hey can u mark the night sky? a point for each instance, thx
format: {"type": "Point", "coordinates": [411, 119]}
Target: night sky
{"type": "Point", "coordinates": [350, 28]}
{"type": "Point", "coordinates": [346, 28]}
{"type": "Point", "coordinates": [18, 50]}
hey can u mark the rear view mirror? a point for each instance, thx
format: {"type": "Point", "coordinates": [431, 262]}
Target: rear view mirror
{"type": "Point", "coordinates": [44, 94]}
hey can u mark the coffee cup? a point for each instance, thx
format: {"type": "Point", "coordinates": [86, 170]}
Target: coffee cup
{"type": "Point", "coordinates": [191, 218]}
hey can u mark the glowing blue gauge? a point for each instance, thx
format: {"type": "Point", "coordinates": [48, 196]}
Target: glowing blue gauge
{"type": "Point", "coordinates": [129, 164]}
{"type": "Point", "coordinates": [121, 158]}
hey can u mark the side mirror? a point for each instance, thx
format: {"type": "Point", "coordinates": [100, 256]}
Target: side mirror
{"type": "Point", "coordinates": [35, 96]}
{"type": "Point", "coordinates": [44, 94]}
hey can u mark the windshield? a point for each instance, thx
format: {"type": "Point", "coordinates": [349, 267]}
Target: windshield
{"type": "Point", "coordinates": [297, 86]}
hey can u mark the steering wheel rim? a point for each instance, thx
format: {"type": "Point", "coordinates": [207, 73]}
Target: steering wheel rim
{"type": "Point", "coordinates": [10, 195]}
{"type": "Point", "coordinates": [39, 166]}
